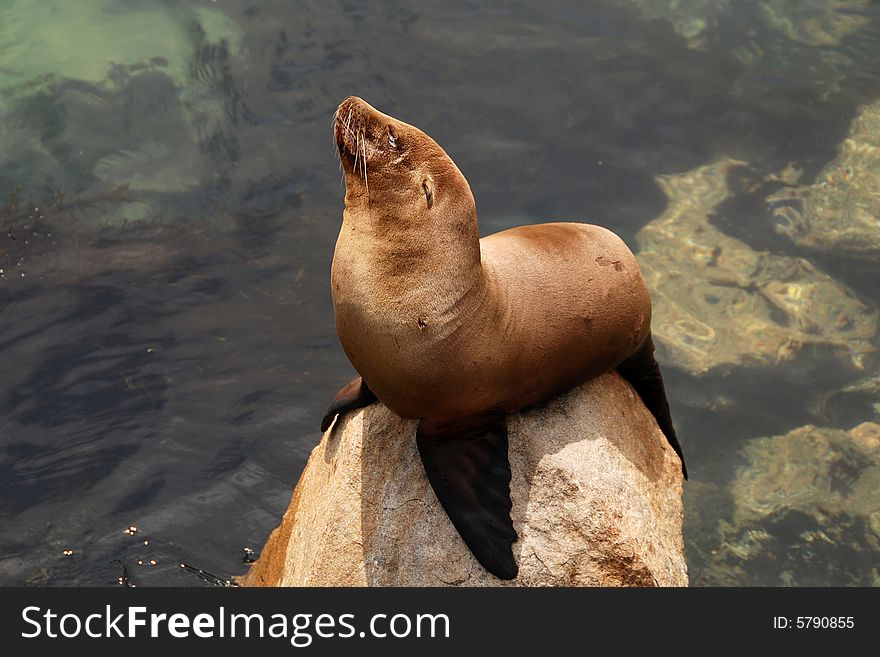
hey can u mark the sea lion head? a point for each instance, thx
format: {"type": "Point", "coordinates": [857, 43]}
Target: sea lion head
{"type": "Point", "coordinates": [396, 171]}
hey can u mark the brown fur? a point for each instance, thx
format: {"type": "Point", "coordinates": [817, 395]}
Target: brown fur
{"type": "Point", "coordinates": [443, 325]}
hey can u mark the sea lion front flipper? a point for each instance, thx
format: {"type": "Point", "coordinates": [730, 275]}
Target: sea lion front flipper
{"type": "Point", "coordinates": [469, 471]}
{"type": "Point", "coordinates": [642, 371]}
{"type": "Point", "coordinates": [353, 396]}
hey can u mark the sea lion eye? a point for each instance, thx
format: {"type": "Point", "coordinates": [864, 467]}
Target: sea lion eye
{"type": "Point", "coordinates": [429, 191]}
{"type": "Point", "coordinates": [392, 138]}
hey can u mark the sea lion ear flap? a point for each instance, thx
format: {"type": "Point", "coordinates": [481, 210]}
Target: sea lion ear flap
{"type": "Point", "coordinates": [428, 188]}
{"type": "Point", "coordinates": [469, 471]}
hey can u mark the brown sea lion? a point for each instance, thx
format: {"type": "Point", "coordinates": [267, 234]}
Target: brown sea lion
{"type": "Point", "coordinates": [458, 331]}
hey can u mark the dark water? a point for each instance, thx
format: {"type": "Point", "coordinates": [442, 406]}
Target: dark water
{"type": "Point", "coordinates": [172, 200]}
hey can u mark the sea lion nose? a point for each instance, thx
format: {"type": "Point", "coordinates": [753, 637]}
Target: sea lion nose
{"type": "Point", "coordinates": [344, 121]}
{"type": "Point", "coordinates": [350, 103]}
{"type": "Point", "coordinates": [356, 119]}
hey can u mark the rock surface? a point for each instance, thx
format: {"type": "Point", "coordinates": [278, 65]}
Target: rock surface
{"type": "Point", "coordinates": [596, 493]}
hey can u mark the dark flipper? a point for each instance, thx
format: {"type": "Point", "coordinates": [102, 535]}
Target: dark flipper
{"type": "Point", "coordinates": [643, 373]}
{"type": "Point", "coordinates": [353, 396]}
{"type": "Point", "coordinates": [469, 470]}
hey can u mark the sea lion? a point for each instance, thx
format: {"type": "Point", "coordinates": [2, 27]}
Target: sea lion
{"type": "Point", "coordinates": [457, 331]}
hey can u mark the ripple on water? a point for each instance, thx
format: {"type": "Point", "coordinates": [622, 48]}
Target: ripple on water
{"type": "Point", "coordinates": [167, 341]}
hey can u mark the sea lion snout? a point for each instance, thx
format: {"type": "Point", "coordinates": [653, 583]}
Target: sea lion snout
{"type": "Point", "coordinates": [362, 132]}
{"type": "Point", "coordinates": [347, 126]}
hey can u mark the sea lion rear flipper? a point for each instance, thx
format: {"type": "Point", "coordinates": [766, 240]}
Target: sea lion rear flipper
{"type": "Point", "coordinates": [642, 372]}
{"type": "Point", "coordinates": [353, 396]}
{"type": "Point", "coordinates": [469, 471]}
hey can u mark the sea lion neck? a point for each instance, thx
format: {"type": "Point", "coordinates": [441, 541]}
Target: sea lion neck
{"type": "Point", "coordinates": [413, 260]}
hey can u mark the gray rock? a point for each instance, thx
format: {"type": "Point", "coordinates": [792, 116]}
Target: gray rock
{"type": "Point", "coordinates": [596, 495]}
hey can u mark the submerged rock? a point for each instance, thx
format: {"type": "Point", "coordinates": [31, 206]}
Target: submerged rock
{"type": "Point", "coordinates": [596, 495]}
{"type": "Point", "coordinates": [32, 43]}
{"type": "Point", "coordinates": [816, 23]}
{"type": "Point", "coordinates": [805, 512]}
{"type": "Point", "coordinates": [812, 23]}
{"type": "Point", "coordinates": [869, 387]}
{"type": "Point", "coordinates": [840, 212]}
{"type": "Point", "coordinates": [691, 19]}
{"type": "Point", "coordinates": [126, 108]}
{"type": "Point", "coordinates": [718, 302]}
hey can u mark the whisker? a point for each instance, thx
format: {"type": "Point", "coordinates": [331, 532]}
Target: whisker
{"type": "Point", "coordinates": [357, 150]}
{"type": "Point", "coordinates": [336, 152]}
{"type": "Point", "coordinates": [366, 181]}
{"type": "Point", "coordinates": [348, 122]}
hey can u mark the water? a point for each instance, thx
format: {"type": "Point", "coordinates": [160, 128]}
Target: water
{"type": "Point", "coordinates": [172, 198]}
